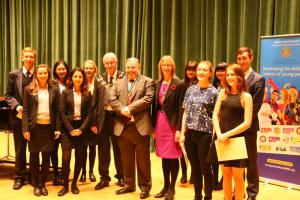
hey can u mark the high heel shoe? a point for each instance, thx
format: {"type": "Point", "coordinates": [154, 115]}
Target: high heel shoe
{"type": "Point", "coordinates": [170, 195]}
{"type": "Point", "coordinates": [92, 177]}
{"type": "Point", "coordinates": [161, 194]}
{"type": "Point", "coordinates": [63, 191]}
{"type": "Point", "coordinates": [82, 177]}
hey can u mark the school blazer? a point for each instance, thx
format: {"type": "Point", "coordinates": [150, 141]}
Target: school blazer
{"type": "Point", "coordinates": [67, 110]}
{"type": "Point", "coordinates": [30, 108]}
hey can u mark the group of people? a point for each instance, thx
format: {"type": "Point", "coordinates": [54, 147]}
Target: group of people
{"type": "Point", "coordinates": [282, 107]}
{"type": "Point", "coordinates": [83, 109]}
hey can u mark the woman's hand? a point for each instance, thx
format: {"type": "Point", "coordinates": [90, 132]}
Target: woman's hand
{"type": "Point", "coordinates": [177, 136]}
{"type": "Point", "coordinates": [27, 135]}
{"type": "Point", "coordinates": [181, 140]}
{"type": "Point", "coordinates": [57, 135]}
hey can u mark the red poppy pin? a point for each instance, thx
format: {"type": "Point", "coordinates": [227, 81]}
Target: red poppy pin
{"type": "Point", "coordinates": [173, 87]}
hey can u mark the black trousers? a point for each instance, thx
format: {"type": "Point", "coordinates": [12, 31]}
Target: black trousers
{"type": "Point", "coordinates": [135, 153]}
{"type": "Point", "coordinates": [104, 157]}
{"type": "Point", "coordinates": [197, 146]}
{"type": "Point", "coordinates": [20, 144]}
{"type": "Point", "coordinates": [252, 171]}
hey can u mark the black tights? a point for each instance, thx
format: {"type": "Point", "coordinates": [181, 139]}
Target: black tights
{"type": "Point", "coordinates": [92, 156]}
{"type": "Point", "coordinates": [34, 167]}
{"type": "Point", "coordinates": [170, 168]}
{"type": "Point", "coordinates": [66, 159]}
{"type": "Point", "coordinates": [54, 157]}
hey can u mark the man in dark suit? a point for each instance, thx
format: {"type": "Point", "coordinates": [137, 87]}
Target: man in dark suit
{"type": "Point", "coordinates": [108, 79]}
{"type": "Point", "coordinates": [131, 99]}
{"type": "Point", "coordinates": [256, 86]}
{"type": "Point", "coordinates": [17, 81]}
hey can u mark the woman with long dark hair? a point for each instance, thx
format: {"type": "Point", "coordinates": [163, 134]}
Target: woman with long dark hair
{"type": "Point", "coordinates": [61, 72]}
{"type": "Point", "coordinates": [75, 110]}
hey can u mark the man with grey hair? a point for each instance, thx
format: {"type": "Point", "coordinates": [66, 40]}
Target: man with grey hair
{"type": "Point", "coordinates": [109, 78]}
{"type": "Point", "coordinates": [131, 100]}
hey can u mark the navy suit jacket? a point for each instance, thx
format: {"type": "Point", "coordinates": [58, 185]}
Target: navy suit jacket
{"type": "Point", "coordinates": [256, 87]}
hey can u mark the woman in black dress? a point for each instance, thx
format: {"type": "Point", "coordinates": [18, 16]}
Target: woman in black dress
{"type": "Point", "coordinates": [40, 122]}
{"type": "Point", "coordinates": [231, 118]}
{"type": "Point", "coordinates": [75, 109]}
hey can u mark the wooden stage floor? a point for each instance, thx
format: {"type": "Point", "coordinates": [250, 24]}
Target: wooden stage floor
{"type": "Point", "coordinates": [87, 192]}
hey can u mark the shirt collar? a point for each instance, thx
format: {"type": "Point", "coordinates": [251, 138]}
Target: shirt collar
{"type": "Point", "coordinates": [114, 76]}
{"type": "Point", "coordinates": [248, 72]}
{"type": "Point", "coordinates": [24, 70]}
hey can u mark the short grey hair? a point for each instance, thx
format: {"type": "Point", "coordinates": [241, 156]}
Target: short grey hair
{"type": "Point", "coordinates": [110, 55]}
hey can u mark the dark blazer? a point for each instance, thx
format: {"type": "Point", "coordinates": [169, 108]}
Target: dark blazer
{"type": "Point", "coordinates": [101, 96]}
{"type": "Point", "coordinates": [256, 87]}
{"type": "Point", "coordinates": [30, 106]}
{"type": "Point", "coordinates": [14, 93]}
{"type": "Point", "coordinates": [67, 110]}
{"type": "Point", "coordinates": [98, 99]}
{"type": "Point", "coordinates": [172, 104]}
{"type": "Point", "coordinates": [142, 98]}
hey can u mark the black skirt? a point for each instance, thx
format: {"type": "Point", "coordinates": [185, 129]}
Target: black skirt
{"type": "Point", "coordinates": [41, 139]}
{"type": "Point", "coordinates": [70, 142]}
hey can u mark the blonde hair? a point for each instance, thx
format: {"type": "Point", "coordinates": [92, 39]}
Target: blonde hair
{"type": "Point", "coordinates": [28, 49]}
{"type": "Point", "coordinates": [34, 84]}
{"type": "Point", "coordinates": [164, 58]}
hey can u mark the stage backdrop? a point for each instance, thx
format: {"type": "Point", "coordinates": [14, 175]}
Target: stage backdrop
{"type": "Point", "coordinates": [279, 136]}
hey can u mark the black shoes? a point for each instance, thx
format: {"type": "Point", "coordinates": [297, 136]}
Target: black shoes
{"type": "Point", "coordinates": [37, 191]}
{"type": "Point", "coordinates": [124, 190]}
{"type": "Point", "coordinates": [57, 179]}
{"type": "Point", "coordinates": [217, 186]}
{"type": "Point", "coordinates": [183, 179]}
{"type": "Point", "coordinates": [63, 191]}
{"type": "Point", "coordinates": [74, 189]}
{"type": "Point", "coordinates": [144, 195]}
{"type": "Point", "coordinates": [82, 178]}
{"type": "Point", "coordinates": [121, 182]}
{"type": "Point", "coordinates": [170, 195]}
{"type": "Point", "coordinates": [18, 184]}
{"type": "Point", "coordinates": [44, 191]}
{"type": "Point", "coordinates": [102, 184]}
{"type": "Point", "coordinates": [161, 194]}
{"type": "Point", "coordinates": [92, 177]}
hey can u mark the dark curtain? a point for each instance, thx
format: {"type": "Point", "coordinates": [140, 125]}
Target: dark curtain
{"type": "Point", "coordinates": [76, 30]}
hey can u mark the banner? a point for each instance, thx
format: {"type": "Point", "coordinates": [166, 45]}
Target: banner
{"type": "Point", "coordinates": [278, 140]}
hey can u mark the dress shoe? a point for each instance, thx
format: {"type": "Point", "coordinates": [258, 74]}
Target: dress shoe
{"type": "Point", "coordinates": [63, 191]}
{"type": "Point", "coordinates": [124, 190]}
{"type": "Point", "coordinates": [170, 195]}
{"type": "Point", "coordinates": [92, 177]}
{"type": "Point", "coordinates": [18, 184]}
{"type": "Point", "coordinates": [161, 194]}
{"type": "Point", "coordinates": [74, 189]}
{"type": "Point", "coordinates": [44, 191]}
{"type": "Point", "coordinates": [37, 191]}
{"type": "Point", "coordinates": [102, 184]}
{"type": "Point", "coordinates": [183, 179]}
{"type": "Point", "coordinates": [83, 178]}
{"type": "Point", "coordinates": [144, 195]}
{"type": "Point", "coordinates": [191, 181]}
{"type": "Point", "coordinates": [121, 182]}
{"type": "Point", "coordinates": [217, 186]}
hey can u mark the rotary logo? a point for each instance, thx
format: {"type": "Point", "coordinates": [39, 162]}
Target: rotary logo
{"type": "Point", "coordinates": [298, 130]}
{"type": "Point", "coordinates": [286, 52]}
{"type": "Point", "coordinates": [262, 138]}
{"type": "Point", "coordinates": [277, 130]}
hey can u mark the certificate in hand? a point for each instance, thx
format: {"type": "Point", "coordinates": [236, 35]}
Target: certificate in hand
{"type": "Point", "coordinates": [234, 150]}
